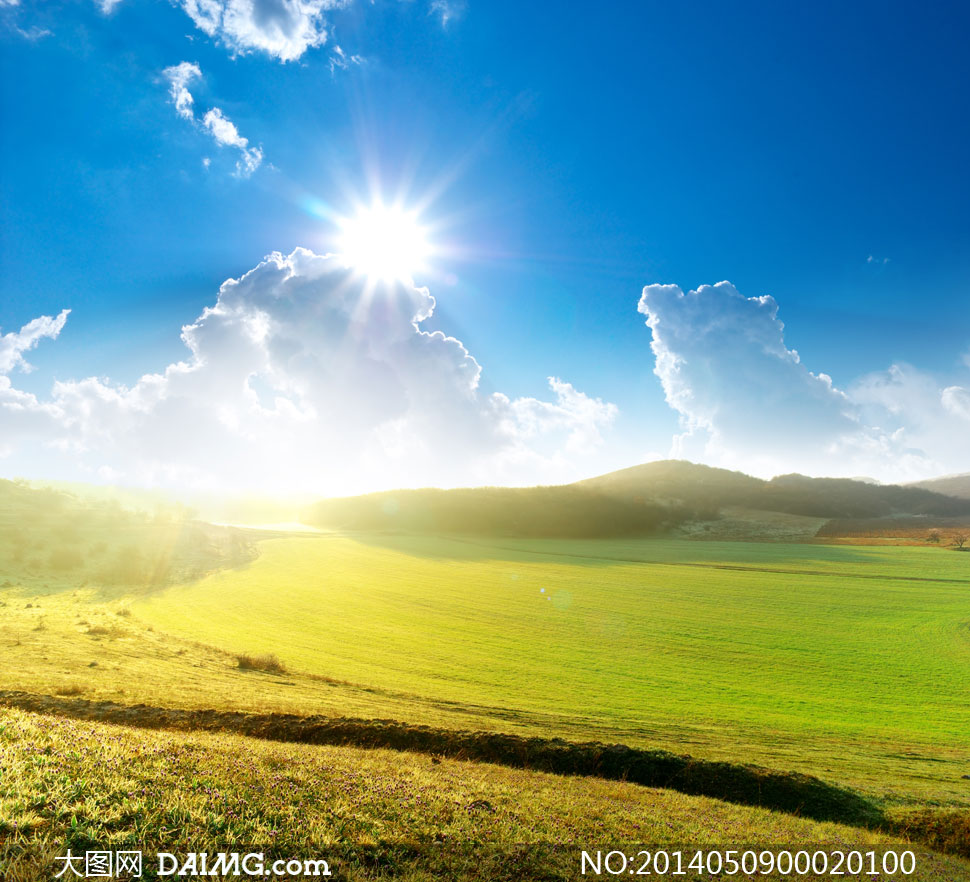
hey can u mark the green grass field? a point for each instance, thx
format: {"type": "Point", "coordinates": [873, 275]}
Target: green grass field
{"type": "Point", "coordinates": [370, 814]}
{"type": "Point", "coordinates": [848, 662]}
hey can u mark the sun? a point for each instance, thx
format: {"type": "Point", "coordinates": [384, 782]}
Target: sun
{"type": "Point", "coordinates": [384, 243]}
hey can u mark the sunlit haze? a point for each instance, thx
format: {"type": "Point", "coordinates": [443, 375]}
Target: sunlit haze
{"type": "Point", "coordinates": [383, 242]}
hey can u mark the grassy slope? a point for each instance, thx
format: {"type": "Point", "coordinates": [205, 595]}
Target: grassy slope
{"type": "Point", "coordinates": [50, 540]}
{"type": "Point", "coordinates": [849, 663]}
{"type": "Point", "coordinates": [371, 813]}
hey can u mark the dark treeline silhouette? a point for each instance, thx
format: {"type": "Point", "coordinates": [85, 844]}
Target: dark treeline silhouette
{"type": "Point", "coordinates": [640, 500]}
{"type": "Point", "coordinates": [566, 511]}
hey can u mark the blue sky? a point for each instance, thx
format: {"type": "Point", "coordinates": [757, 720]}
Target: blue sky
{"type": "Point", "coordinates": [565, 158]}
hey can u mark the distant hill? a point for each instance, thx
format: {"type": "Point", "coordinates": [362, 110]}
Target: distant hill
{"type": "Point", "coordinates": [639, 500]}
{"type": "Point", "coordinates": [703, 487]}
{"type": "Point", "coordinates": [565, 512]}
{"type": "Point", "coordinates": [951, 485]}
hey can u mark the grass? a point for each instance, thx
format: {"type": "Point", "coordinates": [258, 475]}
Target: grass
{"type": "Point", "coordinates": [852, 663]}
{"type": "Point", "coordinates": [849, 663]}
{"type": "Point", "coordinates": [371, 814]}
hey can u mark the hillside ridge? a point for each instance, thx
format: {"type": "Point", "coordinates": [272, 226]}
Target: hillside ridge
{"type": "Point", "coordinates": [639, 500]}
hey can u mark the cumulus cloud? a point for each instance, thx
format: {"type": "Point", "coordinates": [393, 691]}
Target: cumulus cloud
{"type": "Point", "coordinates": [284, 29]}
{"type": "Point", "coordinates": [220, 127]}
{"type": "Point", "coordinates": [724, 367]}
{"type": "Point", "coordinates": [303, 376]}
{"type": "Point", "coordinates": [747, 401]}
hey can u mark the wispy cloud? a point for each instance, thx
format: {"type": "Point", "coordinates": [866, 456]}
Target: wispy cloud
{"type": "Point", "coordinates": [214, 121]}
{"type": "Point", "coordinates": [32, 33]}
{"type": "Point", "coordinates": [227, 135]}
{"type": "Point", "coordinates": [340, 60]}
{"type": "Point", "coordinates": [16, 343]}
{"type": "Point", "coordinates": [446, 10]}
{"type": "Point", "coordinates": [879, 260]}
{"type": "Point", "coordinates": [180, 76]}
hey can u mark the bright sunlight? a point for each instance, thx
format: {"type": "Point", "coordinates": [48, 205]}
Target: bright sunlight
{"type": "Point", "coordinates": [383, 242]}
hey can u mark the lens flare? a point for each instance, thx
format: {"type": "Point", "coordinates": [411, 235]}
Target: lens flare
{"type": "Point", "coordinates": [385, 243]}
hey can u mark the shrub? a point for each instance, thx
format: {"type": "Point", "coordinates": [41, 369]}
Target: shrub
{"type": "Point", "coordinates": [102, 631]}
{"type": "Point", "coordinates": [70, 689]}
{"type": "Point", "coordinates": [267, 663]}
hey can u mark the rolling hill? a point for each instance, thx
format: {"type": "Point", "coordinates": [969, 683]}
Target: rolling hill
{"type": "Point", "coordinates": [49, 537]}
{"type": "Point", "coordinates": [951, 485]}
{"type": "Point", "coordinates": [640, 500]}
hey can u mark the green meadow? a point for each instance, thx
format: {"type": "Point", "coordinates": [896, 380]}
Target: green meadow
{"type": "Point", "coordinates": [846, 662]}
{"type": "Point", "coordinates": [372, 814]}
{"type": "Point", "coordinates": [849, 662]}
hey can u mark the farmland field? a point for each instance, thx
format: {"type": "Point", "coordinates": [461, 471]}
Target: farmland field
{"type": "Point", "coordinates": [848, 662]}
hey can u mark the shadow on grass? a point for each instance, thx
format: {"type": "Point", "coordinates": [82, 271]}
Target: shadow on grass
{"type": "Point", "coordinates": [749, 785]}
{"type": "Point", "coordinates": [613, 551]}
{"type": "Point", "coordinates": [790, 792]}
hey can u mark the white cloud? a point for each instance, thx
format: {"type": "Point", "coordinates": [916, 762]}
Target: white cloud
{"type": "Point", "coordinates": [179, 77]}
{"type": "Point", "coordinates": [927, 419]}
{"type": "Point", "coordinates": [724, 366]}
{"type": "Point", "coordinates": [222, 129]}
{"type": "Point", "coordinates": [284, 29]}
{"type": "Point", "coordinates": [34, 33]}
{"type": "Point", "coordinates": [16, 343]}
{"type": "Point", "coordinates": [956, 400]}
{"type": "Point", "coordinates": [342, 61]}
{"type": "Point", "coordinates": [746, 401]}
{"type": "Point", "coordinates": [227, 135]}
{"type": "Point", "coordinates": [107, 6]}
{"type": "Point", "coordinates": [573, 411]}
{"type": "Point", "coordinates": [24, 419]}
{"type": "Point", "coordinates": [301, 376]}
